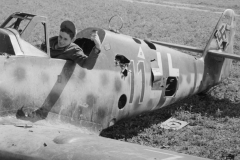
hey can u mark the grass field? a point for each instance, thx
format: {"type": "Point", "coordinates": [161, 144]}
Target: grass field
{"type": "Point", "coordinates": [214, 120]}
{"type": "Point", "coordinates": [213, 5]}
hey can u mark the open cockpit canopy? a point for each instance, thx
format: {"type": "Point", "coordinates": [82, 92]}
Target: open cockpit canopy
{"type": "Point", "coordinates": [18, 37]}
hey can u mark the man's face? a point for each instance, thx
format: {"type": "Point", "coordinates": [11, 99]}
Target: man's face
{"type": "Point", "coordinates": [64, 39]}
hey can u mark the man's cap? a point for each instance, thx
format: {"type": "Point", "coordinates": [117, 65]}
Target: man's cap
{"type": "Point", "coordinates": [70, 25]}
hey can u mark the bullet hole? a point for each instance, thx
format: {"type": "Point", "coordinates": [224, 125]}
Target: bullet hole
{"type": "Point", "coordinates": [44, 144]}
{"type": "Point", "coordinates": [123, 63]}
{"type": "Point", "coordinates": [122, 101]}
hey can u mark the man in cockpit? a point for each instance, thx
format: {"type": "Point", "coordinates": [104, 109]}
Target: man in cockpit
{"type": "Point", "coordinates": [62, 46]}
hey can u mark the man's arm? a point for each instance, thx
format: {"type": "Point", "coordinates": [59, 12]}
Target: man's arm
{"type": "Point", "coordinates": [88, 62]}
{"type": "Point", "coordinates": [85, 61]}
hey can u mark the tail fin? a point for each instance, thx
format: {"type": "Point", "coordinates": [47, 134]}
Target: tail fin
{"type": "Point", "coordinates": [222, 37]}
{"type": "Point", "coordinates": [218, 53]}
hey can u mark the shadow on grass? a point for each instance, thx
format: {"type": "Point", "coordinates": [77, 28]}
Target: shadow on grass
{"type": "Point", "coordinates": [129, 128]}
{"type": "Point", "coordinates": [207, 106]}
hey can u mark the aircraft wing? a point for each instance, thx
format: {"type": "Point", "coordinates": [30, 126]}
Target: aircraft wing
{"type": "Point", "coordinates": [43, 140]}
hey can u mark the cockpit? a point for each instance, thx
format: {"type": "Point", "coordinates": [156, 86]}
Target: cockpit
{"type": "Point", "coordinates": [15, 32]}
{"type": "Point", "coordinates": [13, 45]}
{"type": "Point", "coordinates": [18, 36]}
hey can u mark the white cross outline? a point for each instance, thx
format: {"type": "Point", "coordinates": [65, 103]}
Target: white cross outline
{"type": "Point", "coordinates": [173, 72]}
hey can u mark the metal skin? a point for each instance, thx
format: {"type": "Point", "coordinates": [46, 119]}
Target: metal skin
{"type": "Point", "coordinates": [63, 103]}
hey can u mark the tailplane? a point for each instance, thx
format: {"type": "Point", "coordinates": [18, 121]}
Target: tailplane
{"type": "Point", "coordinates": [218, 53]}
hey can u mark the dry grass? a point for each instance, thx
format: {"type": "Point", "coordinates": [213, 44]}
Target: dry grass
{"type": "Point", "coordinates": [214, 120]}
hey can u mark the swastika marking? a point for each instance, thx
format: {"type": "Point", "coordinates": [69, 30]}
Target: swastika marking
{"type": "Point", "coordinates": [221, 35]}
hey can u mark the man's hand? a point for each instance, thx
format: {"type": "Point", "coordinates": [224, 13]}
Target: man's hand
{"type": "Point", "coordinates": [95, 38]}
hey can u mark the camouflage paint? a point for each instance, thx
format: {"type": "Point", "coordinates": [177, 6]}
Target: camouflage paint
{"type": "Point", "coordinates": [58, 96]}
{"type": "Point", "coordinates": [39, 87]}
